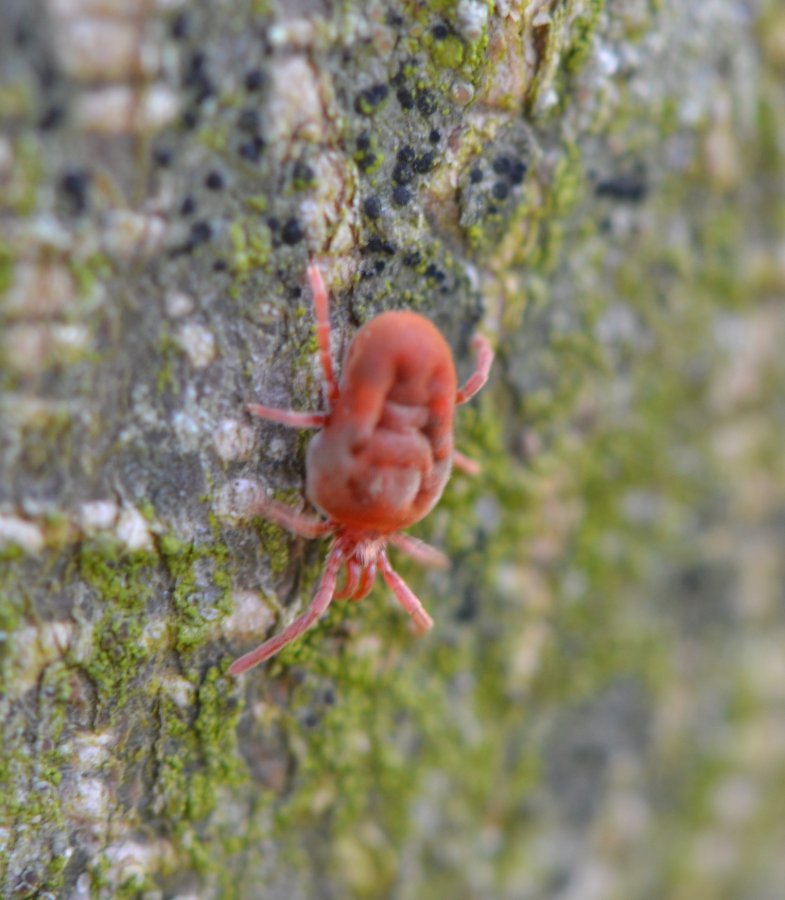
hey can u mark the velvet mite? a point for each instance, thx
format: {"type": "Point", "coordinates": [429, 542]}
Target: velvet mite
{"type": "Point", "coordinates": [379, 462]}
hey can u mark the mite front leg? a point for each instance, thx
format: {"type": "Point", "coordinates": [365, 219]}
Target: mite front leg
{"type": "Point", "coordinates": [251, 500]}
{"type": "Point", "coordinates": [287, 416]}
{"type": "Point", "coordinates": [408, 600]}
{"type": "Point", "coordinates": [419, 550]}
{"type": "Point", "coordinates": [321, 305]}
{"type": "Point", "coordinates": [465, 464]}
{"type": "Point", "coordinates": [315, 611]}
{"type": "Point", "coordinates": [484, 361]}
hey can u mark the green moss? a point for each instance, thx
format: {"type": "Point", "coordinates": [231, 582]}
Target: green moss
{"type": "Point", "coordinates": [192, 570]}
{"type": "Point", "coordinates": [88, 272]}
{"type": "Point", "coordinates": [22, 194]}
{"type": "Point", "coordinates": [251, 247]}
{"type": "Point", "coordinates": [369, 160]}
{"type": "Point", "coordinates": [560, 197]}
{"type": "Point", "coordinates": [582, 37]}
{"type": "Point", "coordinates": [448, 53]}
{"type": "Point", "coordinates": [168, 351]}
{"type": "Point", "coordinates": [123, 587]}
{"type": "Point", "coordinates": [6, 268]}
{"type": "Point", "coordinates": [258, 203]}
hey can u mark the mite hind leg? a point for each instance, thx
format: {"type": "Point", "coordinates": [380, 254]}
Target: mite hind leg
{"type": "Point", "coordinates": [316, 610]}
{"type": "Point", "coordinates": [406, 596]}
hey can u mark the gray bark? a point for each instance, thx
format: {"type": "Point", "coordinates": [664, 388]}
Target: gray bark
{"type": "Point", "coordinates": [597, 186]}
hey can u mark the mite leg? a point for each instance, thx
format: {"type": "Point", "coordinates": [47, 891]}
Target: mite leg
{"type": "Point", "coordinates": [353, 570]}
{"type": "Point", "coordinates": [406, 597]}
{"type": "Point", "coordinates": [419, 550]}
{"type": "Point", "coordinates": [321, 305]}
{"type": "Point", "coordinates": [315, 611]}
{"type": "Point", "coordinates": [465, 464]}
{"type": "Point", "coordinates": [366, 583]}
{"type": "Point", "coordinates": [287, 416]}
{"type": "Point", "coordinates": [484, 361]}
{"type": "Point", "coordinates": [253, 501]}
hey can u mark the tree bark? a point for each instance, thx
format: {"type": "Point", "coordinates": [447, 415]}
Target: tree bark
{"type": "Point", "coordinates": [597, 187]}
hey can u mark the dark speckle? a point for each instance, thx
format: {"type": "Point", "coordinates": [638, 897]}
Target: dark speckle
{"type": "Point", "coordinates": [378, 245]}
{"type": "Point", "coordinates": [364, 141]}
{"type": "Point", "coordinates": [468, 607]}
{"type": "Point", "coordinates": [518, 172]}
{"type": "Point", "coordinates": [47, 73]}
{"type": "Point", "coordinates": [412, 259]}
{"type": "Point", "coordinates": [401, 195]}
{"type": "Point", "coordinates": [378, 93]}
{"type": "Point", "coordinates": [254, 79]}
{"type": "Point", "coordinates": [311, 719]}
{"type": "Point", "coordinates": [252, 150]}
{"type": "Point", "coordinates": [630, 188]}
{"type": "Point", "coordinates": [405, 98]}
{"type": "Point", "coordinates": [201, 232]}
{"type": "Point", "coordinates": [405, 154]}
{"type": "Point", "coordinates": [426, 102]}
{"type": "Point", "coordinates": [214, 181]}
{"type": "Point", "coordinates": [220, 265]}
{"type": "Point", "coordinates": [502, 165]}
{"type": "Point", "coordinates": [163, 156]}
{"type": "Point", "coordinates": [248, 120]}
{"type": "Point", "coordinates": [196, 76]}
{"type": "Point", "coordinates": [292, 232]}
{"type": "Point", "coordinates": [440, 31]}
{"type": "Point", "coordinates": [435, 136]}
{"type": "Point", "coordinates": [424, 162]}
{"type": "Point", "coordinates": [52, 118]}
{"type": "Point", "coordinates": [188, 206]}
{"type": "Point", "coordinates": [475, 175]}
{"type": "Point", "coordinates": [303, 174]}
{"type": "Point", "coordinates": [75, 185]}
{"type": "Point", "coordinates": [500, 190]}
{"type": "Point", "coordinates": [190, 119]}
{"type": "Point", "coordinates": [23, 33]}
{"type": "Point", "coordinates": [370, 98]}
{"type": "Point", "coordinates": [403, 173]}
{"type": "Point", "coordinates": [196, 62]}
{"type": "Point", "coordinates": [181, 26]}
{"type": "Point", "coordinates": [372, 207]}
{"type": "Point", "coordinates": [366, 161]}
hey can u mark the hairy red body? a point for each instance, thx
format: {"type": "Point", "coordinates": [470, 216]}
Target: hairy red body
{"type": "Point", "coordinates": [381, 459]}
{"type": "Point", "coordinates": [384, 455]}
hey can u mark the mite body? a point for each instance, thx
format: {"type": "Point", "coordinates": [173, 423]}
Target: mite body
{"type": "Point", "coordinates": [381, 459]}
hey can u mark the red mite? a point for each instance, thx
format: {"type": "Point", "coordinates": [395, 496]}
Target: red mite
{"type": "Point", "coordinates": [381, 459]}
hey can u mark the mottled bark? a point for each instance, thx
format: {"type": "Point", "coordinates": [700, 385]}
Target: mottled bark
{"type": "Point", "coordinates": [597, 186]}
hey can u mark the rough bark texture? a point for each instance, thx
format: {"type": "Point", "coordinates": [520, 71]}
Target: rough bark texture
{"type": "Point", "coordinates": [599, 711]}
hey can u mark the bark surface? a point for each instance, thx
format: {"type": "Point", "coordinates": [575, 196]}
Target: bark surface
{"type": "Point", "coordinates": [597, 186]}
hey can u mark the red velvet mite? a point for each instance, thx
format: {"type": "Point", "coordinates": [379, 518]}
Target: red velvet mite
{"type": "Point", "coordinates": [381, 458]}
